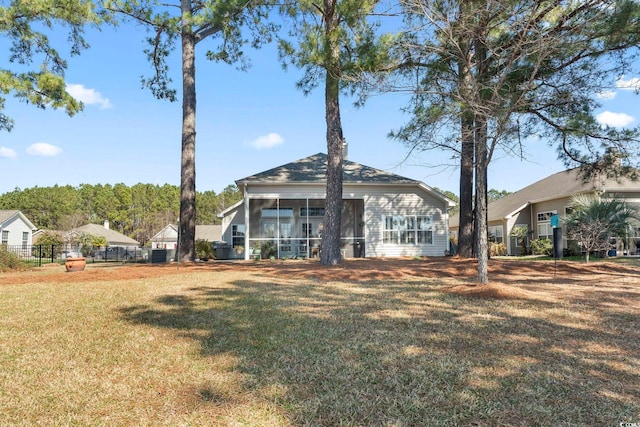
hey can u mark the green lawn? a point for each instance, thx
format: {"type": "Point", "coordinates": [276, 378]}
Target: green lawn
{"type": "Point", "coordinates": [247, 348]}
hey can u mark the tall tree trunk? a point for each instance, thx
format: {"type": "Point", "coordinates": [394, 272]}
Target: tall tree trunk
{"type": "Point", "coordinates": [465, 226]}
{"type": "Point", "coordinates": [481, 226]}
{"type": "Point", "coordinates": [187, 229]}
{"type": "Point", "coordinates": [330, 253]}
{"type": "Point", "coordinates": [482, 163]}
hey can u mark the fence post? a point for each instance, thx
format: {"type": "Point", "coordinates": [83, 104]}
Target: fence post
{"type": "Point", "coordinates": [53, 254]}
{"type": "Point", "coordinates": [39, 255]}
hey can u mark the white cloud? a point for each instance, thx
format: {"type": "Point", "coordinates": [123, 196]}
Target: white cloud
{"type": "Point", "coordinates": [43, 149]}
{"type": "Point", "coordinates": [614, 119]}
{"type": "Point", "coordinates": [629, 84]}
{"type": "Point", "coordinates": [7, 153]}
{"type": "Point", "coordinates": [268, 141]}
{"type": "Point", "coordinates": [88, 96]}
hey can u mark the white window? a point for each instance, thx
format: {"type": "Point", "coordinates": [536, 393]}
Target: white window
{"type": "Point", "coordinates": [25, 239]}
{"type": "Point", "coordinates": [545, 216]}
{"type": "Point", "coordinates": [5, 237]}
{"type": "Point", "coordinates": [425, 229]}
{"type": "Point", "coordinates": [268, 229]}
{"type": "Point", "coordinates": [312, 211]}
{"type": "Point", "coordinates": [407, 229]}
{"type": "Point", "coordinates": [545, 231]}
{"type": "Point", "coordinates": [496, 234]}
{"type": "Point", "coordinates": [275, 212]}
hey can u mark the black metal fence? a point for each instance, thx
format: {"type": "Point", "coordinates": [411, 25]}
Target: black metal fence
{"type": "Point", "coordinates": [38, 255]}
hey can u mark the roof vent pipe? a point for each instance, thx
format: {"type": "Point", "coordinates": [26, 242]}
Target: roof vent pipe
{"type": "Point", "coordinates": [345, 150]}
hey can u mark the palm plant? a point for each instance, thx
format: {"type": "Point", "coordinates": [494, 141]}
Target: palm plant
{"type": "Point", "coordinates": [521, 232]}
{"type": "Point", "coordinates": [593, 221]}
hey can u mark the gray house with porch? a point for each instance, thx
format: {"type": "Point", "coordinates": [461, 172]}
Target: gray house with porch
{"type": "Point", "coordinates": [383, 214]}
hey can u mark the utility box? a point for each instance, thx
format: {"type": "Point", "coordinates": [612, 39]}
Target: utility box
{"type": "Point", "coordinates": [158, 256]}
{"type": "Point", "coordinates": [222, 250]}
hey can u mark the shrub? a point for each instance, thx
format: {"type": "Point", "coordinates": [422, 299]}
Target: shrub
{"type": "Point", "coordinates": [268, 250]}
{"type": "Point", "coordinates": [49, 241]}
{"type": "Point", "coordinates": [497, 249]}
{"type": "Point", "coordinates": [542, 247]}
{"type": "Point", "coordinates": [204, 249]}
{"type": "Point", "coordinates": [10, 261]}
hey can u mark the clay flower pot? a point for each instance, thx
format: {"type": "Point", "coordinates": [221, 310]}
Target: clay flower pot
{"type": "Point", "coordinates": [75, 264]}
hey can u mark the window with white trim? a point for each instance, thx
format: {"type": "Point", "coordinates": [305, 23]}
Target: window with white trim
{"type": "Point", "coordinates": [496, 234]}
{"type": "Point", "coordinates": [5, 237]}
{"type": "Point", "coordinates": [25, 239]}
{"type": "Point", "coordinates": [407, 229]}
{"type": "Point", "coordinates": [544, 229]}
{"type": "Point", "coordinates": [275, 213]}
{"type": "Point", "coordinates": [237, 235]}
{"type": "Point", "coordinates": [546, 216]}
{"type": "Point", "coordinates": [311, 211]}
{"type": "Point", "coordinates": [425, 229]}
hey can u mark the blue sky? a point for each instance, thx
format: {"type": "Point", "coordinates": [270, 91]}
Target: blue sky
{"type": "Point", "coordinates": [247, 122]}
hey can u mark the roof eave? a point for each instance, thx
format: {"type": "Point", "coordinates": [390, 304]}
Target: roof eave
{"type": "Point", "coordinates": [516, 211]}
{"type": "Point", "coordinates": [230, 208]}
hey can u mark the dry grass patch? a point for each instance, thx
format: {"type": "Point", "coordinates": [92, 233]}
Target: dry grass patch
{"type": "Point", "coordinates": [278, 344]}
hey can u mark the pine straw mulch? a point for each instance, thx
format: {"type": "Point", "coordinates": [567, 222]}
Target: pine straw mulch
{"type": "Point", "coordinates": [604, 281]}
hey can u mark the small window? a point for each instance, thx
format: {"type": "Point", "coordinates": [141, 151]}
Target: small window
{"type": "Point", "coordinates": [25, 239]}
{"type": "Point", "coordinates": [313, 211]}
{"type": "Point", "coordinates": [496, 234]}
{"type": "Point", "coordinates": [545, 216]}
{"type": "Point", "coordinates": [545, 231]}
{"type": "Point", "coordinates": [5, 237]}
{"type": "Point", "coordinates": [275, 212]}
{"type": "Point", "coordinates": [237, 235]}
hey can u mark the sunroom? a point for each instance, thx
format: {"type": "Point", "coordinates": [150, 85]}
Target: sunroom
{"type": "Point", "coordinates": [281, 214]}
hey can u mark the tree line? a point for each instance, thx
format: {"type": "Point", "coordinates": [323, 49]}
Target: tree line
{"type": "Point", "coordinates": [137, 211]}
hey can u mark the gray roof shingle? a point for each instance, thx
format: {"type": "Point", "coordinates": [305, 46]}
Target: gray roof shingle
{"type": "Point", "coordinates": [112, 237]}
{"type": "Point", "coordinates": [313, 169]}
{"type": "Point", "coordinates": [5, 215]}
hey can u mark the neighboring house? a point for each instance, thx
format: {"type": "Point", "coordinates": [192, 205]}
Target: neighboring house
{"type": "Point", "coordinates": [112, 237]}
{"type": "Point", "coordinates": [15, 229]}
{"type": "Point", "coordinates": [383, 214]}
{"type": "Point", "coordinates": [167, 238]}
{"type": "Point", "coordinates": [535, 204]}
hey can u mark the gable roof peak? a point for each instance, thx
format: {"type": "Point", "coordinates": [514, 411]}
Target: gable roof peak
{"type": "Point", "coordinates": [313, 169]}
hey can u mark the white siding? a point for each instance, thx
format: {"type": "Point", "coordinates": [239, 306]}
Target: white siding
{"type": "Point", "coordinates": [16, 226]}
{"type": "Point", "coordinates": [167, 238]}
{"type": "Point", "coordinates": [404, 201]}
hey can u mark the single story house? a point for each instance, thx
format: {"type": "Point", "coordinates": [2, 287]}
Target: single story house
{"type": "Point", "coordinates": [112, 237]}
{"type": "Point", "coordinates": [534, 205]}
{"type": "Point", "coordinates": [383, 214]}
{"type": "Point", "coordinates": [15, 229]}
{"type": "Point", "coordinates": [167, 238]}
